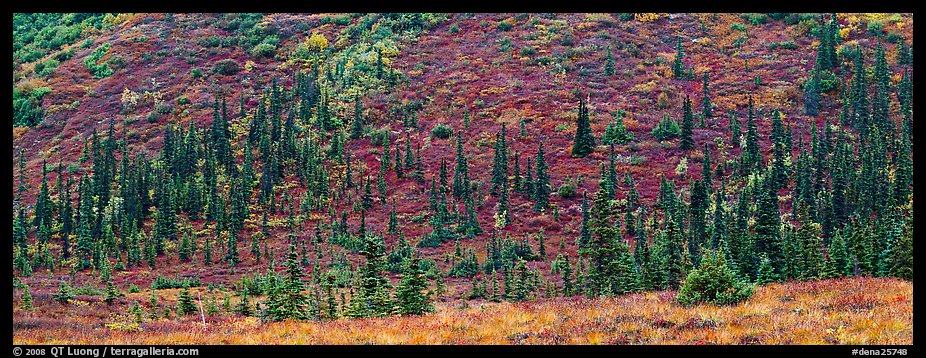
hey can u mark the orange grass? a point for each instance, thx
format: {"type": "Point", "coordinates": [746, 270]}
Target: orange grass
{"type": "Point", "coordinates": [842, 311]}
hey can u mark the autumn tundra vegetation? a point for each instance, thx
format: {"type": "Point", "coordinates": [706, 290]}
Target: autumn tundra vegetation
{"type": "Point", "coordinates": [632, 178]}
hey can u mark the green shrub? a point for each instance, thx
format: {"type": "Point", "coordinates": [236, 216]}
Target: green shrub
{"type": "Point", "coordinates": [342, 20]}
{"type": "Point", "coordinates": [738, 27]}
{"type": "Point", "coordinates": [789, 45]}
{"type": "Point", "coordinates": [161, 282]}
{"type": "Point", "coordinates": [894, 37]}
{"type": "Point", "coordinates": [667, 128]}
{"type": "Point", "coordinates": [637, 159]}
{"type": "Point", "coordinates": [504, 44]}
{"type": "Point", "coordinates": [263, 50]}
{"type": "Point", "coordinates": [713, 282]}
{"type": "Point", "coordinates": [567, 190]}
{"type": "Point", "coordinates": [92, 62]}
{"type": "Point", "coordinates": [454, 29]}
{"type": "Point", "coordinates": [196, 72]}
{"type": "Point", "coordinates": [876, 27]}
{"type": "Point", "coordinates": [152, 116]}
{"type": "Point", "coordinates": [504, 26]}
{"type": "Point", "coordinates": [379, 137]}
{"type": "Point", "coordinates": [27, 108]}
{"type": "Point", "coordinates": [227, 66]}
{"type": "Point", "coordinates": [441, 131]}
{"type": "Point", "coordinates": [755, 19]}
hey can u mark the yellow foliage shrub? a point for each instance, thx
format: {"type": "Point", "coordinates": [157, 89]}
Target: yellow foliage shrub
{"type": "Point", "coordinates": [316, 43]}
{"type": "Point", "coordinates": [646, 16]}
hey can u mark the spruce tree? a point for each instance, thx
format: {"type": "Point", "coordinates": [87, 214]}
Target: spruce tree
{"type": "Point", "coordinates": [734, 130]}
{"type": "Point", "coordinates": [288, 301]}
{"type": "Point", "coordinates": [207, 252]}
{"type": "Point", "coordinates": [812, 94]}
{"type": "Point", "coordinates": [678, 67]}
{"type": "Point", "coordinates": [901, 259]}
{"type": "Point", "coordinates": [751, 157]}
{"type": "Point", "coordinates": [185, 305]}
{"type": "Point", "coordinates": [671, 254]}
{"type": "Point", "coordinates": [609, 64]}
{"type": "Point", "coordinates": [767, 230]}
{"type": "Point", "coordinates": [809, 242]}
{"type": "Point", "coordinates": [461, 171]}
{"type": "Point", "coordinates": [584, 142]}
{"type": "Point", "coordinates": [357, 124]}
{"type": "Point", "coordinates": [713, 282]}
{"type": "Point", "coordinates": [687, 124]}
{"type": "Point", "coordinates": [371, 298]}
{"type": "Point", "coordinates": [185, 250]}
{"type": "Point", "coordinates": [584, 233]}
{"type": "Point", "coordinates": [766, 271]}
{"type": "Point", "coordinates": [706, 106]}
{"type": "Point", "coordinates": [779, 174]}
{"type": "Point", "coordinates": [411, 296]}
{"type": "Point", "coordinates": [25, 300]}
{"type": "Point", "coordinates": [837, 261]}
{"type": "Point", "coordinates": [500, 164]}
{"type": "Point", "coordinates": [244, 306]}
{"type": "Point", "coordinates": [231, 247]}
{"type": "Point", "coordinates": [611, 268]}
{"type": "Point", "coordinates": [541, 193]}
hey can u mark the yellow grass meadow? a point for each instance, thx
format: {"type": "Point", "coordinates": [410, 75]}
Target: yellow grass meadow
{"type": "Point", "coordinates": [842, 311]}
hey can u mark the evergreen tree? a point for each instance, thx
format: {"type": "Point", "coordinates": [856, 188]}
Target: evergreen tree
{"type": "Point", "coordinates": [411, 298]}
{"type": "Point", "coordinates": [219, 134]}
{"type": "Point", "coordinates": [357, 124]}
{"type": "Point", "coordinates": [584, 142]}
{"type": "Point", "coordinates": [185, 303]}
{"type": "Point", "coordinates": [255, 245]}
{"type": "Point", "coordinates": [287, 301]}
{"type": "Point", "coordinates": [706, 106]}
{"type": "Point", "coordinates": [671, 253]}
{"type": "Point", "coordinates": [837, 261]}
{"type": "Point", "coordinates": [611, 268]}
{"type": "Point", "coordinates": [901, 253]}
{"type": "Point", "coordinates": [25, 300]}
{"type": "Point", "coordinates": [766, 271]}
{"type": "Point", "coordinates": [697, 217]}
{"type": "Point", "coordinates": [541, 193]}
{"type": "Point", "coordinates": [185, 250]}
{"type": "Point", "coordinates": [767, 230]}
{"type": "Point", "coordinates": [779, 174]}
{"type": "Point", "coordinates": [810, 255]}
{"type": "Point", "coordinates": [207, 252]}
{"type": "Point", "coordinates": [859, 94]}
{"type": "Point", "coordinates": [331, 306]}
{"type": "Point", "coordinates": [734, 130]}
{"type": "Point", "coordinates": [500, 164]}
{"type": "Point", "coordinates": [244, 305]}
{"type": "Point", "coordinates": [678, 67]}
{"type": "Point", "coordinates": [713, 282]}
{"type": "Point", "coordinates": [371, 299]}
{"type": "Point", "coordinates": [616, 132]}
{"type": "Point", "coordinates": [903, 170]}
{"type": "Point", "coordinates": [461, 171]}
{"type": "Point", "coordinates": [609, 64]}
{"type": "Point", "coordinates": [231, 255]}
{"type": "Point", "coordinates": [752, 157]}
{"type": "Point", "coordinates": [812, 94]}
{"type": "Point", "coordinates": [43, 204]}
{"type": "Point", "coordinates": [584, 233]}
{"type": "Point", "coordinates": [496, 294]}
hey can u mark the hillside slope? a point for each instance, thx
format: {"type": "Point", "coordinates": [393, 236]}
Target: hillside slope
{"type": "Point", "coordinates": [130, 111]}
